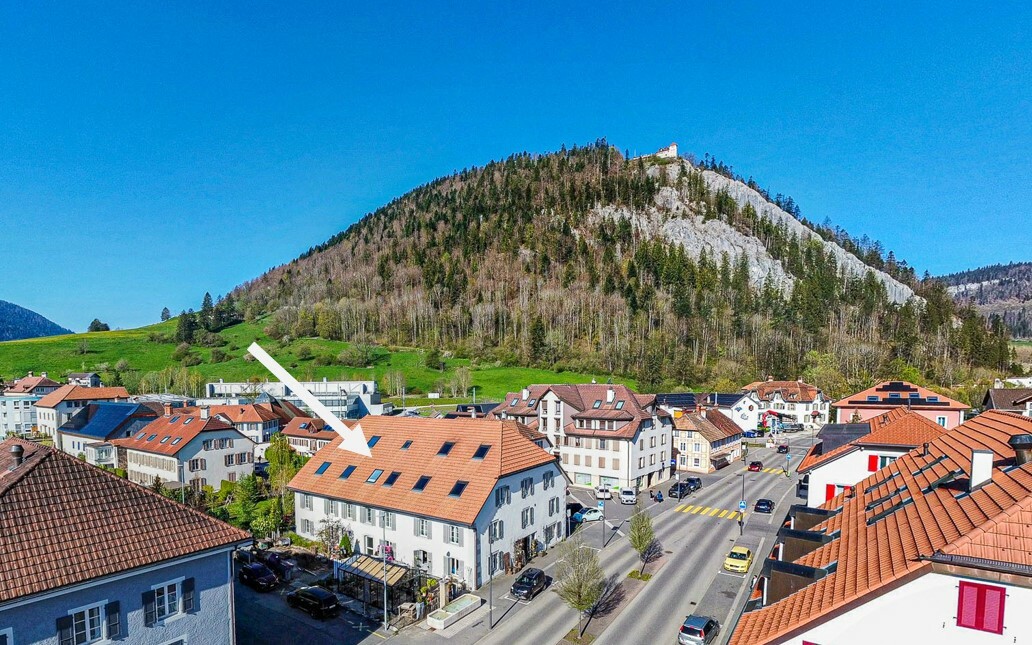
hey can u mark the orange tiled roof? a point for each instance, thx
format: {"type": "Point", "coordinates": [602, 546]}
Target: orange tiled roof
{"type": "Point", "coordinates": [79, 393]}
{"type": "Point", "coordinates": [160, 436]}
{"type": "Point", "coordinates": [910, 396]}
{"type": "Point", "coordinates": [510, 452]}
{"type": "Point", "coordinates": [940, 515]}
{"type": "Point", "coordinates": [248, 413]}
{"type": "Point", "coordinates": [315, 428]}
{"type": "Point", "coordinates": [897, 427]}
{"type": "Point", "coordinates": [29, 383]}
{"type": "Point", "coordinates": [713, 427]}
{"type": "Point", "coordinates": [793, 391]}
{"type": "Point", "coordinates": [64, 522]}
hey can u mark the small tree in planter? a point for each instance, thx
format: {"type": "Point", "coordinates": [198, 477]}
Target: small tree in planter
{"type": "Point", "coordinates": [643, 537]}
{"type": "Point", "coordinates": [579, 578]}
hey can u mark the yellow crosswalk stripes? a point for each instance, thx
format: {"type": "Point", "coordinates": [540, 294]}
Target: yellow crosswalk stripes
{"type": "Point", "coordinates": [774, 471]}
{"type": "Point", "coordinates": [709, 511]}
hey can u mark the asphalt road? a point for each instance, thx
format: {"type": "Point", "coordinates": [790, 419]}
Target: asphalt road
{"type": "Point", "coordinates": [698, 543]}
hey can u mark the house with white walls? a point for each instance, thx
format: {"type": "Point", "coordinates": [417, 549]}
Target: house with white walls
{"type": "Point", "coordinates": [457, 498]}
{"type": "Point", "coordinates": [55, 408]}
{"type": "Point", "coordinates": [790, 401]}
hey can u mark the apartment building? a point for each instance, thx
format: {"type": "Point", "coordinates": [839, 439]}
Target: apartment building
{"type": "Point", "coordinates": [31, 385]}
{"type": "Point", "coordinates": [54, 409]}
{"type": "Point", "coordinates": [889, 395]}
{"type": "Point", "coordinates": [307, 435]}
{"type": "Point", "coordinates": [458, 498]}
{"type": "Point", "coordinates": [705, 441]}
{"type": "Point", "coordinates": [790, 401]}
{"type": "Point", "coordinates": [346, 399]}
{"type": "Point", "coordinates": [89, 430]}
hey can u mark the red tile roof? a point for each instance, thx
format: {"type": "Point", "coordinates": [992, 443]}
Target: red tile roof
{"type": "Point", "coordinates": [910, 396]}
{"type": "Point", "coordinates": [79, 393]}
{"type": "Point", "coordinates": [510, 452]}
{"type": "Point", "coordinates": [898, 427]}
{"type": "Point", "coordinates": [794, 391]}
{"type": "Point", "coordinates": [316, 428]}
{"type": "Point", "coordinates": [249, 413]}
{"type": "Point", "coordinates": [1012, 398]}
{"type": "Point", "coordinates": [168, 435]}
{"type": "Point", "coordinates": [714, 426]}
{"type": "Point", "coordinates": [29, 383]}
{"type": "Point", "coordinates": [63, 522]}
{"type": "Point", "coordinates": [878, 547]}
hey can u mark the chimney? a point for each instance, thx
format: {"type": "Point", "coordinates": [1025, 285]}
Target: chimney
{"type": "Point", "coordinates": [1022, 445]}
{"type": "Point", "coordinates": [770, 377]}
{"type": "Point", "coordinates": [30, 374]}
{"type": "Point", "coordinates": [473, 413]}
{"type": "Point", "coordinates": [44, 374]}
{"type": "Point", "coordinates": [16, 454]}
{"type": "Point", "coordinates": [205, 412]}
{"type": "Point", "coordinates": [981, 468]}
{"type": "Point", "coordinates": [925, 450]}
{"type": "Point", "coordinates": [525, 394]}
{"type": "Point", "coordinates": [610, 395]}
{"type": "Point", "coordinates": [168, 409]}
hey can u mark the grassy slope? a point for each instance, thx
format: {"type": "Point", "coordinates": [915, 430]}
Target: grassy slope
{"type": "Point", "coordinates": [59, 355]}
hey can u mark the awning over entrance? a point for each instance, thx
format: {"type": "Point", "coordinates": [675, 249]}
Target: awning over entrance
{"type": "Point", "coordinates": [372, 569]}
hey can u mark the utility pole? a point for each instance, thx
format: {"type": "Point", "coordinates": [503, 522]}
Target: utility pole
{"type": "Point", "coordinates": [490, 574]}
{"type": "Point", "coordinates": [383, 549]}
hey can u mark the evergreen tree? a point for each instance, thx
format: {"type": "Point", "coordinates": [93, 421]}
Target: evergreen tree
{"type": "Point", "coordinates": [165, 314]}
{"type": "Point", "coordinates": [207, 313]}
{"type": "Point", "coordinates": [186, 327]}
{"type": "Point", "coordinates": [96, 325]}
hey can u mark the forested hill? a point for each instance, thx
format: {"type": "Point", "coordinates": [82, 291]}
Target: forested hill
{"type": "Point", "coordinates": [18, 322]}
{"type": "Point", "coordinates": [1003, 290]}
{"type": "Point", "coordinates": [662, 269]}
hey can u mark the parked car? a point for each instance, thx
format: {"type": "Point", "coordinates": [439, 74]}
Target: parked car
{"type": "Point", "coordinates": [603, 492]}
{"type": "Point", "coordinates": [628, 496]}
{"type": "Point", "coordinates": [261, 469]}
{"type": "Point", "coordinates": [529, 584]}
{"type": "Point", "coordinates": [314, 601]}
{"type": "Point", "coordinates": [791, 427]}
{"type": "Point", "coordinates": [258, 576]}
{"type": "Point", "coordinates": [738, 560]}
{"type": "Point", "coordinates": [764, 506]}
{"type": "Point", "coordinates": [245, 555]}
{"type": "Point", "coordinates": [750, 434]}
{"type": "Point", "coordinates": [684, 487]}
{"type": "Point", "coordinates": [587, 515]}
{"type": "Point", "coordinates": [783, 449]}
{"type": "Point", "coordinates": [698, 630]}
{"type": "Point", "coordinates": [280, 565]}
{"type": "Point", "coordinates": [755, 466]}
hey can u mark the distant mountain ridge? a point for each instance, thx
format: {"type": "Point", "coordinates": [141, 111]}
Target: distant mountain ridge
{"type": "Point", "coordinates": [1001, 289]}
{"type": "Point", "coordinates": [18, 322]}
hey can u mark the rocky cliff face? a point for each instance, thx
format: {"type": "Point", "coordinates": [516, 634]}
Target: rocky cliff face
{"type": "Point", "coordinates": [680, 221]}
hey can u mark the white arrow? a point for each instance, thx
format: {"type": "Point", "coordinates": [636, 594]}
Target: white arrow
{"type": "Point", "coordinates": [354, 440]}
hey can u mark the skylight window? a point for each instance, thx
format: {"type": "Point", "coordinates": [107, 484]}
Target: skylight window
{"type": "Point", "coordinates": [393, 477]}
{"type": "Point", "coordinates": [176, 440]}
{"type": "Point", "coordinates": [373, 440]}
{"type": "Point", "coordinates": [514, 402]}
{"type": "Point", "coordinates": [597, 404]}
{"type": "Point", "coordinates": [322, 468]}
{"type": "Point", "coordinates": [405, 446]}
{"type": "Point", "coordinates": [619, 405]}
{"type": "Point", "coordinates": [872, 397]}
{"type": "Point", "coordinates": [915, 395]}
{"type": "Point", "coordinates": [187, 421]}
{"type": "Point", "coordinates": [152, 437]}
{"type": "Point", "coordinates": [481, 451]}
{"type": "Point", "coordinates": [141, 436]}
{"type": "Point", "coordinates": [893, 395]}
{"type": "Point", "coordinates": [457, 489]}
{"type": "Point", "coordinates": [303, 426]}
{"type": "Point", "coordinates": [347, 472]}
{"type": "Point", "coordinates": [421, 483]}
{"type": "Point", "coordinates": [933, 399]}
{"type": "Point", "coordinates": [446, 448]}
{"type": "Point", "coordinates": [174, 419]}
{"type": "Point", "coordinates": [166, 438]}
{"type": "Point", "coordinates": [531, 403]}
{"type": "Point", "coordinates": [374, 476]}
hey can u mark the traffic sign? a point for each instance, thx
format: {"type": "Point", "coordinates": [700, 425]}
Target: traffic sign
{"type": "Point", "coordinates": [601, 505]}
{"type": "Point", "coordinates": [741, 505]}
{"type": "Point", "coordinates": [788, 456]}
{"type": "Point", "coordinates": [673, 462]}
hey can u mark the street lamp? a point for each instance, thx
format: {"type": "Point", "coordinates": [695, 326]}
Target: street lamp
{"type": "Point", "coordinates": [383, 552]}
{"type": "Point", "coordinates": [490, 579]}
{"type": "Point", "coordinates": [741, 520]}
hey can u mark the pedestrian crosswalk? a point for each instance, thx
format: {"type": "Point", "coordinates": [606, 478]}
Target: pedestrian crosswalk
{"type": "Point", "coordinates": [709, 511]}
{"type": "Point", "coordinates": [772, 471]}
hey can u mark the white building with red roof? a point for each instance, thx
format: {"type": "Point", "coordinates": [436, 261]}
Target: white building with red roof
{"type": "Point", "coordinates": [936, 547]}
{"type": "Point", "coordinates": [308, 435]}
{"type": "Point", "coordinates": [31, 385]}
{"type": "Point", "coordinates": [605, 434]}
{"type": "Point", "coordinates": [457, 498]}
{"type": "Point", "coordinates": [193, 449]}
{"type": "Point", "coordinates": [889, 395]}
{"type": "Point", "coordinates": [54, 409]}
{"type": "Point", "coordinates": [790, 401]}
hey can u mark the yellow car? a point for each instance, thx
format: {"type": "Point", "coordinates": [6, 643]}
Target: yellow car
{"type": "Point", "coordinates": [739, 560]}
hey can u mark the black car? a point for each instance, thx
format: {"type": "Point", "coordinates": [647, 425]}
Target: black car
{"type": "Point", "coordinates": [783, 449]}
{"type": "Point", "coordinates": [279, 564]}
{"type": "Point", "coordinates": [529, 584]}
{"type": "Point", "coordinates": [764, 506]}
{"type": "Point", "coordinates": [792, 427]}
{"type": "Point", "coordinates": [258, 576]}
{"type": "Point", "coordinates": [684, 488]}
{"type": "Point", "coordinates": [314, 601]}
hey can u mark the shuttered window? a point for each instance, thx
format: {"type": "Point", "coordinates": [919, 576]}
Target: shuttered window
{"type": "Point", "coordinates": [872, 463]}
{"type": "Point", "coordinates": [829, 491]}
{"type": "Point", "coordinates": [981, 607]}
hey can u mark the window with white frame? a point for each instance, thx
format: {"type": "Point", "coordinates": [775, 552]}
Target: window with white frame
{"type": "Point", "coordinates": [496, 561]}
{"type": "Point", "coordinates": [452, 567]}
{"type": "Point", "coordinates": [422, 527]}
{"type": "Point", "coordinates": [166, 600]}
{"type": "Point", "coordinates": [388, 520]}
{"type": "Point", "coordinates": [553, 506]}
{"type": "Point", "coordinates": [641, 462]}
{"type": "Point", "coordinates": [527, 486]}
{"type": "Point", "coordinates": [528, 516]}
{"type": "Point", "coordinates": [497, 530]}
{"type": "Point", "coordinates": [941, 421]}
{"type": "Point", "coordinates": [454, 535]}
{"type": "Point", "coordinates": [82, 625]}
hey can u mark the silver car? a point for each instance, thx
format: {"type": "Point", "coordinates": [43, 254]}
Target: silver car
{"type": "Point", "coordinates": [698, 630]}
{"type": "Point", "coordinates": [628, 496]}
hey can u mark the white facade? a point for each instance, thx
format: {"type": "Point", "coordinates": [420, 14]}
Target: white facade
{"type": "Point", "coordinates": [17, 415]}
{"type": "Point", "coordinates": [208, 459]}
{"type": "Point", "coordinates": [831, 478]}
{"type": "Point", "coordinates": [449, 549]}
{"type": "Point", "coordinates": [790, 411]}
{"type": "Point", "coordinates": [346, 399]}
{"type": "Point", "coordinates": [48, 420]}
{"type": "Point", "coordinates": [923, 611]}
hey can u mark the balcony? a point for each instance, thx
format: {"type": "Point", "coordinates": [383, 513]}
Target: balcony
{"type": "Point", "coordinates": [101, 454]}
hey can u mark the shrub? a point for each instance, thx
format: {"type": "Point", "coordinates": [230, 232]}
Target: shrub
{"type": "Point", "coordinates": [208, 339]}
{"type": "Point", "coordinates": [181, 351]}
{"type": "Point", "coordinates": [304, 352]}
{"type": "Point", "coordinates": [191, 360]}
{"type": "Point", "coordinates": [219, 356]}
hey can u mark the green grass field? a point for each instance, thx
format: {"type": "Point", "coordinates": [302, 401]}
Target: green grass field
{"type": "Point", "coordinates": [59, 355]}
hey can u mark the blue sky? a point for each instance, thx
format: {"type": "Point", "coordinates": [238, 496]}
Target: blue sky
{"type": "Point", "coordinates": [150, 153]}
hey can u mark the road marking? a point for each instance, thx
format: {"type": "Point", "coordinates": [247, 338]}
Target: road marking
{"type": "Point", "coordinates": [714, 512]}
{"type": "Point", "coordinates": [722, 513]}
{"type": "Point", "coordinates": [733, 575]}
{"type": "Point", "coordinates": [678, 509]}
{"type": "Point", "coordinates": [704, 511]}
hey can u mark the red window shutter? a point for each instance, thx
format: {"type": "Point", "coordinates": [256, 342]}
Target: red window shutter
{"type": "Point", "coordinates": [829, 491]}
{"type": "Point", "coordinates": [872, 463]}
{"type": "Point", "coordinates": [967, 605]}
{"type": "Point", "coordinates": [992, 608]}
